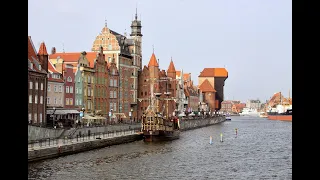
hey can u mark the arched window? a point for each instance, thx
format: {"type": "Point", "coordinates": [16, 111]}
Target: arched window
{"type": "Point", "coordinates": [69, 79]}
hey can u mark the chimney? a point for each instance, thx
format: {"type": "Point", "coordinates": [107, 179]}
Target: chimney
{"type": "Point", "coordinates": [53, 50]}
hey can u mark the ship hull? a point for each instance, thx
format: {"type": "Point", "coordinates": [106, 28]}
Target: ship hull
{"type": "Point", "coordinates": [160, 135]}
{"type": "Point", "coordinates": [280, 117]}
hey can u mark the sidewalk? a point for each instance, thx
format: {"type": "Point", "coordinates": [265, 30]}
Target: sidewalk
{"type": "Point", "coordinates": [94, 137]}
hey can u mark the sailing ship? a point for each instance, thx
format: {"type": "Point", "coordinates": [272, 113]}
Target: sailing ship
{"type": "Point", "coordinates": [157, 126]}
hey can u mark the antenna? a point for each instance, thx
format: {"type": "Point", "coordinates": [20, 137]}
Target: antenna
{"type": "Point", "coordinates": [63, 47]}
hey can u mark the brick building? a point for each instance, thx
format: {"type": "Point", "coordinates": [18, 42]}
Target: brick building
{"type": "Point", "coordinates": [37, 83]}
{"type": "Point", "coordinates": [113, 75]}
{"type": "Point", "coordinates": [152, 80]}
{"type": "Point", "coordinates": [69, 87]}
{"type": "Point", "coordinates": [214, 79]}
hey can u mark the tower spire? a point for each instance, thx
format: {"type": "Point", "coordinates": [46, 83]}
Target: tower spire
{"type": "Point", "coordinates": [136, 16]}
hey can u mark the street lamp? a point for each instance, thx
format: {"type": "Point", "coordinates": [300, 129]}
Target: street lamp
{"type": "Point", "coordinates": [131, 111]}
{"type": "Point", "coordinates": [52, 116]}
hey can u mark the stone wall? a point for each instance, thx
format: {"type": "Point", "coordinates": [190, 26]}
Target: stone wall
{"type": "Point", "coordinates": [51, 152]}
{"type": "Point", "coordinates": [37, 133]}
{"type": "Point", "coordinates": [198, 123]}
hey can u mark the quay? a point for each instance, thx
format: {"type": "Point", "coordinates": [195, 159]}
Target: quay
{"type": "Point", "coordinates": [51, 148]}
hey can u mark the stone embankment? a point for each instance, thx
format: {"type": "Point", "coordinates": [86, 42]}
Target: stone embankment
{"type": "Point", "coordinates": [83, 139]}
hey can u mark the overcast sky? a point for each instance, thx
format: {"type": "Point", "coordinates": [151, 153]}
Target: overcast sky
{"type": "Point", "coordinates": [252, 39]}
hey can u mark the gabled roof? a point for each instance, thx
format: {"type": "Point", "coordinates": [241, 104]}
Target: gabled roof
{"type": "Point", "coordinates": [214, 72]}
{"type": "Point", "coordinates": [186, 76]}
{"type": "Point", "coordinates": [153, 61]}
{"type": "Point", "coordinates": [51, 70]}
{"type": "Point", "coordinates": [74, 57]}
{"type": "Point", "coordinates": [171, 68]}
{"type": "Point", "coordinates": [206, 87]}
{"type": "Point", "coordinates": [33, 58]}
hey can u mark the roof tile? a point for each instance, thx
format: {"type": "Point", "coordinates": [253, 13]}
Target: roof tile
{"type": "Point", "coordinates": [206, 87]}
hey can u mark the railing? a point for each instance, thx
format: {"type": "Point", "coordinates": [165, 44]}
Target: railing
{"type": "Point", "coordinates": [50, 142]}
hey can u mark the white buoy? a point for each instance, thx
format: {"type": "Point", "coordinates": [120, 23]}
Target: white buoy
{"type": "Point", "coordinates": [221, 138]}
{"type": "Point", "coordinates": [210, 139]}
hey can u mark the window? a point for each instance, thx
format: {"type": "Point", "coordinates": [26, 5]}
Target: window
{"type": "Point", "coordinates": [35, 117]}
{"type": "Point", "coordinates": [39, 67]}
{"type": "Point", "coordinates": [36, 99]}
{"type": "Point", "coordinates": [77, 102]}
{"type": "Point", "coordinates": [110, 47]}
{"type": "Point", "coordinates": [111, 106]}
{"type": "Point", "coordinates": [111, 83]}
{"type": "Point", "coordinates": [55, 100]}
{"type": "Point", "coordinates": [88, 79]}
{"type": "Point", "coordinates": [30, 85]}
{"type": "Point", "coordinates": [40, 117]}
{"type": "Point", "coordinates": [76, 90]}
{"type": "Point", "coordinates": [60, 88]}
{"type": "Point", "coordinates": [67, 101]}
{"type": "Point", "coordinates": [41, 99]}
{"type": "Point", "coordinates": [55, 88]}
{"type": "Point", "coordinates": [109, 59]}
{"type": "Point", "coordinates": [69, 79]}
{"type": "Point", "coordinates": [71, 89]}
{"type": "Point", "coordinates": [41, 86]}
{"type": "Point", "coordinates": [79, 79]}
{"type": "Point", "coordinates": [67, 89]}
{"type": "Point", "coordinates": [114, 94]}
{"type": "Point", "coordinates": [80, 91]}
{"type": "Point", "coordinates": [49, 87]}
{"type": "Point", "coordinates": [71, 101]}
{"type": "Point", "coordinates": [113, 72]}
{"type": "Point", "coordinates": [111, 94]}
{"type": "Point", "coordinates": [30, 98]}
{"type": "Point", "coordinates": [92, 79]}
{"type": "Point", "coordinates": [48, 100]}
{"type": "Point", "coordinates": [115, 83]}
{"type": "Point", "coordinates": [115, 106]}
{"type": "Point", "coordinates": [60, 101]}
{"type": "Point", "coordinates": [36, 86]}
{"type": "Point", "coordinates": [30, 117]}
{"type": "Point", "coordinates": [89, 91]}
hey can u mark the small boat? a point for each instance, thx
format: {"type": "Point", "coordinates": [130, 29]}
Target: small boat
{"type": "Point", "coordinates": [228, 117]}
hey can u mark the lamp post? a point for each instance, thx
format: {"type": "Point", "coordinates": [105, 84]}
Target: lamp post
{"type": "Point", "coordinates": [131, 111]}
{"type": "Point", "coordinates": [52, 116]}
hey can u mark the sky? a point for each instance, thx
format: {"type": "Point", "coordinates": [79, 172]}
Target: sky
{"type": "Point", "coordinates": [252, 39]}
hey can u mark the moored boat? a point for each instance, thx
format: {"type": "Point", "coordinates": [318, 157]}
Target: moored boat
{"type": "Point", "coordinates": [287, 116]}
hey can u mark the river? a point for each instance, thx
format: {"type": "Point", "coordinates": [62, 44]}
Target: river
{"type": "Point", "coordinates": [261, 150]}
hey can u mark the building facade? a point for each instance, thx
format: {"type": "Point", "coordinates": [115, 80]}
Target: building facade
{"type": "Point", "coordinates": [37, 83]}
{"type": "Point", "coordinates": [69, 86]}
{"type": "Point", "coordinates": [113, 89]}
{"type": "Point", "coordinates": [55, 89]}
{"type": "Point", "coordinates": [216, 77]}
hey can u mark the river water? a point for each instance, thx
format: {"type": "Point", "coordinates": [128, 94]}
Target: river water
{"type": "Point", "coordinates": [261, 150]}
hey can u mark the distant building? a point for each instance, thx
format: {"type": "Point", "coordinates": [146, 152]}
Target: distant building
{"type": "Point", "coordinates": [211, 82]}
{"type": "Point", "coordinates": [55, 96]}
{"type": "Point", "coordinates": [254, 104]}
{"type": "Point", "coordinates": [37, 84]}
{"type": "Point", "coordinates": [226, 106]}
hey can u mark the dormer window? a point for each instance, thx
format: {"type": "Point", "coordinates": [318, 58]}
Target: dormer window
{"type": "Point", "coordinates": [39, 67]}
{"type": "Point", "coordinates": [31, 65]}
{"type": "Point", "coordinates": [69, 79]}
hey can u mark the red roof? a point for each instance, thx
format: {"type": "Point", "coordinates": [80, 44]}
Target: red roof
{"type": "Point", "coordinates": [171, 68]}
{"type": "Point", "coordinates": [52, 69]}
{"type": "Point", "coordinates": [43, 49]}
{"type": "Point", "coordinates": [214, 72]}
{"type": "Point", "coordinates": [74, 57]}
{"type": "Point", "coordinates": [153, 61]}
{"type": "Point", "coordinates": [32, 57]}
{"type": "Point", "coordinates": [178, 73]}
{"type": "Point", "coordinates": [206, 87]}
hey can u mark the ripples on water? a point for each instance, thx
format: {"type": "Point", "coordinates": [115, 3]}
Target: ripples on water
{"type": "Point", "coordinates": [262, 150]}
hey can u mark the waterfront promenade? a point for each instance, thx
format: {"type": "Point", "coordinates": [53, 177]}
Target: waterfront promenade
{"type": "Point", "coordinates": [49, 143]}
